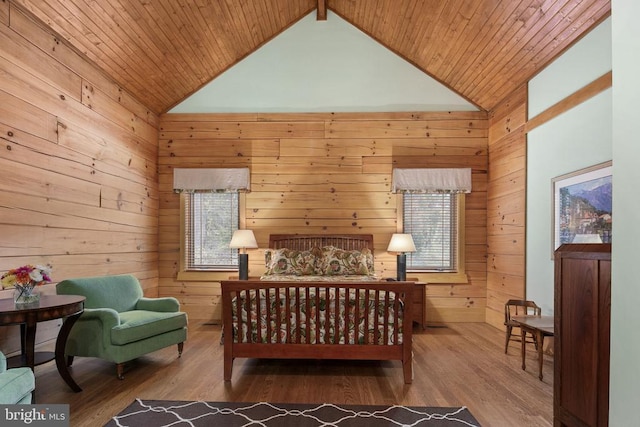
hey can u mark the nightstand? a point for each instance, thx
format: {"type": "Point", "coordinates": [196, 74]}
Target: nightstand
{"type": "Point", "coordinates": [419, 302]}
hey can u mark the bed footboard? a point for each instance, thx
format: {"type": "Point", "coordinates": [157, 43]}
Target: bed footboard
{"type": "Point", "coordinates": [317, 320]}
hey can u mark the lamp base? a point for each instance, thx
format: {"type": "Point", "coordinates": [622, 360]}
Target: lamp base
{"type": "Point", "coordinates": [243, 266]}
{"type": "Point", "coordinates": [401, 266]}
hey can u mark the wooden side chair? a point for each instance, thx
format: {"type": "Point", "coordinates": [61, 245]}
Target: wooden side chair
{"type": "Point", "coordinates": [517, 307]}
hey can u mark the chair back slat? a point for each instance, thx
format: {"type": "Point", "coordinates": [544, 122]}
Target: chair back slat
{"type": "Point", "coordinates": [518, 307]}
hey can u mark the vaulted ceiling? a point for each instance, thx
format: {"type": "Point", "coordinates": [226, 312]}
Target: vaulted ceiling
{"type": "Point", "coordinates": [162, 51]}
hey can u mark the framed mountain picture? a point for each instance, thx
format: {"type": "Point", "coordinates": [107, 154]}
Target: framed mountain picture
{"type": "Point", "coordinates": [582, 206]}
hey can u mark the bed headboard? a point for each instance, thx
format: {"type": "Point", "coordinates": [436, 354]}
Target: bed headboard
{"type": "Point", "coordinates": [303, 242]}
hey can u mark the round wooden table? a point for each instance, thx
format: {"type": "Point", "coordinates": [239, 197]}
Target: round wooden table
{"type": "Point", "coordinates": [50, 307]}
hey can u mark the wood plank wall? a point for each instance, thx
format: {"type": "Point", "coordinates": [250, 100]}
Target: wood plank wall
{"type": "Point", "coordinates": [78, 166]}
{"type": "Point", "coordinates": [325, 173]}
{"type": "Point", "coordinates": [506, 191]}
{"type": "Point", "coordinates": [506, 207]}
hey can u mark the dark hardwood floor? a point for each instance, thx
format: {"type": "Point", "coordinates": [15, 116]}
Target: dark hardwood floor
{"type": "Point", "coordinates": [459, 365]}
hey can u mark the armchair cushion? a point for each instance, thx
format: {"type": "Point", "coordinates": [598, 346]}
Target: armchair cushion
{"type": "Point", "coordinates": [139, 324]}
{"type": "Point", "coordinates": [16, 384]}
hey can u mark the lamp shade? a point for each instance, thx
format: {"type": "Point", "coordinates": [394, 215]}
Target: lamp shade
{"type": "Point", "coordinates": [401, 243]}
{"type": "Point", "coordinates": [243, 239]}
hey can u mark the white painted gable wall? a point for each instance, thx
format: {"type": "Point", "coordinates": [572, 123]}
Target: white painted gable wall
{"type": "Point", "coordinates": [323, 66]}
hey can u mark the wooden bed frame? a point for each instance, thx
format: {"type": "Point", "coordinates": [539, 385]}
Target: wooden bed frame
{"type": "Point", "coordinates": [369, 347]}
{"type": "Point", "coordinates": [302, 242]}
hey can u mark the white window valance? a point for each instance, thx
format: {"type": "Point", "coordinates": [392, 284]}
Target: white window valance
{"type": "Point", "coordinates": [201, 180]}
{"type": "Point", "coordinates": [441, 180]}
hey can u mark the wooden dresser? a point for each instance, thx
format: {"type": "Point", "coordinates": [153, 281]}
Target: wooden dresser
{"type": "Point", "coordinates": [582, 329]}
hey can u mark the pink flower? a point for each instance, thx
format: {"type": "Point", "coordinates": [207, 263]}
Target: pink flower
{"type": "Point", "coordinates": [27, 275]}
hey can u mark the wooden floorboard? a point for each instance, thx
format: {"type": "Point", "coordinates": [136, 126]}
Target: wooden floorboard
{"type": "Point", "coordinates": [459, 365]}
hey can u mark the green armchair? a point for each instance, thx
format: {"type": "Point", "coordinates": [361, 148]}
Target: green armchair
{"type": "Point", "coordinates": [16, 384]}
{"type": "Point", "coordinates": [118, 323]}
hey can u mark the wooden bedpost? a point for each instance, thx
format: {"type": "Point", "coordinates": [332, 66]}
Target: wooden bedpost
{"type": "Point", "coordinates": [407, 336]}
{"type": "Point", "coordinates": [227, 331]}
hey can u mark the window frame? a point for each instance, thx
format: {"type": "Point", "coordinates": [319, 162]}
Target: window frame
{"type": "Point", "coordinates": [458, 276]}
{"type": "Point", "coordinates": [205, 275]}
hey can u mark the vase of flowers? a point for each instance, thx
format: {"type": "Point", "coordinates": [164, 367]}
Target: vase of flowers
{"type": "Point", "coordinates": [24, 281]}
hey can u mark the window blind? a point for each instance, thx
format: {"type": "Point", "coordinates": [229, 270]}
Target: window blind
{"type": "Point", "coordinates": [431, 219]}
{"type": "Point", "coordinates": [210, 220]}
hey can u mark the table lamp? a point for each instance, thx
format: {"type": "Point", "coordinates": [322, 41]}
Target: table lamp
{"type": "Point", "coordinates": [401, 243]}
{"type": "Point", "coordinates": [241, 240]}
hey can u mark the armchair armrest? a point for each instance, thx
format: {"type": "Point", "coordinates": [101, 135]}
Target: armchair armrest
{"type": "Point", "coordinates": [165, 304]}
{"type": "Point", "coordinates": [108, 317]}
{"type": "Point", "coordinates": [3, 362]}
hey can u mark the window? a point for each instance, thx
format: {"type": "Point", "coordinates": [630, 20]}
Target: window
{"type": "Point", "coordinates": [433, 221]}
{"type": "Point", "coordinates": [432, 211]}
{"type": "Point", "coordinates": [209, 222]}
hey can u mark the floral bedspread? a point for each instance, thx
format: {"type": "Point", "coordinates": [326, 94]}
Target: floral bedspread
{"type": "Point", "coordinates": [327, 312]}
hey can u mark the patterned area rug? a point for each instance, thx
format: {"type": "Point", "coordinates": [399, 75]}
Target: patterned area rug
{"type": "Point", "coordinates": [159, 413]}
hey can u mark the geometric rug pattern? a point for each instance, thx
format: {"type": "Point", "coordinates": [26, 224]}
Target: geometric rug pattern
{"type": "Point", "coordinates": [158, 413]}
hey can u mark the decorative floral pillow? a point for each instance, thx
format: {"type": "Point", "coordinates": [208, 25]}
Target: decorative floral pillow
{"type": "Point", "coordinates": [339, 262]}
{"type": "Point", "coordinates": [287, 261]}
{"type": "Point", "coordinates": [368, 256]}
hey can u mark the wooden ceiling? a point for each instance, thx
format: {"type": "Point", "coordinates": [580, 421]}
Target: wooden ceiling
{"type": "Point", "coordinates": [161, 51]}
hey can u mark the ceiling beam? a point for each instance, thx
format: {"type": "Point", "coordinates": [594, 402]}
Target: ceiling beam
{"type": "Point", "coordinates": [322, 10]}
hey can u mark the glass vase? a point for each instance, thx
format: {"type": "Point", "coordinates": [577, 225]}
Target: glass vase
{"type": "Point", "coordinates": [25, 296]}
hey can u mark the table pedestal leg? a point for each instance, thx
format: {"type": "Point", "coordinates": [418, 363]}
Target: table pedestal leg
{"type": "Point", "coordinates": [29, 344]}
{"type": "Point", "coordinates": [523, 342]}
{"type": "Point", "coordinates": [540, 341]}
{"type": "Point", "coordinates": [28, 347]}
{"type": "Point", "coordinates": [61, 343]}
